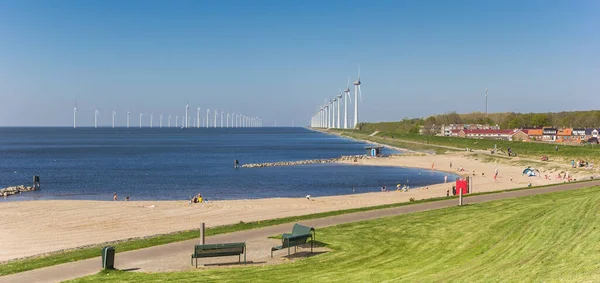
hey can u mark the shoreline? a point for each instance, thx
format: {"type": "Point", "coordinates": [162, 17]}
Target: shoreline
{"type": "Point", "coordinates": [34, 227]}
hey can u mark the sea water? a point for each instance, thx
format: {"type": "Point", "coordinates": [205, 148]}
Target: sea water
{"type": "Point", "coordinates": [174, 164]}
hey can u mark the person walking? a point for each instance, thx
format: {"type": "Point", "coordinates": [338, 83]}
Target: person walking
{"type": "Point", "coordinates": [115, 197]}
{"type": "Point", "coordinates": [446, 179]}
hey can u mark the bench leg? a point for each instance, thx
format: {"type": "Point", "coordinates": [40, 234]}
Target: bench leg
{"type": "Point", "coordinates": [288, 251]}
{"type": "Point", "coordinates": [244, 257]}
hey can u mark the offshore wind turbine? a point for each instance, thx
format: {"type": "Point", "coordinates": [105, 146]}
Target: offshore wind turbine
{"type": "Point", "coordinates": [222, 118]}
{"type": "Point", "coordinates": [96, 118]}
{"type": "Point", "coordinates": [346, 98]}
{"type": "Point", "coordinates": [151, 119]}
{"type": "Point", "coordinates": [215, 121]}
{"type": "Point", "coordinates": [176, 121]}
{"type": "Point", "coordinates": [333, 102]}
{"type": "Point", "coordinates": [128, 118]}
{"type": "Point", "coordinates": [75, 116]}
{"type": "Point", "coordinates": [356, 92]}
{"type": "Point", "coordinates": [169, 123]}
{"type": "Point", "coordinates": [187, 121]}
{"type": "Point", "coordinates": [207, 112]}
{"type": "Point", "coordinates": [141, 119]}
{"type": "Point", "coordinates": [114, 115]}
{"type": "Point", "coordinates": [227, 124]}
{"type": "Point", "coordinates": [198, 118]}
{"type": "Point", "coordinates": [160, 121]}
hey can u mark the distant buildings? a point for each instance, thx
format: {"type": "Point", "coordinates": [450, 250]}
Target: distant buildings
{"type": "Point", "coordinates": [547, 134]}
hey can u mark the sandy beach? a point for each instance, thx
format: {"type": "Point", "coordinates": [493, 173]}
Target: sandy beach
{"type": "Point", "coordinates": [31, 228]}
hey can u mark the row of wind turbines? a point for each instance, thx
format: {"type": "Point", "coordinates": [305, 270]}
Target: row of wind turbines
{"type": "Point", "coordinates": [227, 120]}
{"type": "Point", "coordinates": [326, 116]}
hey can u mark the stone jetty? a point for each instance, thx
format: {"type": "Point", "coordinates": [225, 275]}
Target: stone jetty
{"type": "Point", "coordinates": [303, 162]}
{"type": "Point", "coordinates": [16, 190]}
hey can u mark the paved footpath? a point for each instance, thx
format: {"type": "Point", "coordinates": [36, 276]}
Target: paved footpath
{"type": "Point", "coordinates": [135, 260]}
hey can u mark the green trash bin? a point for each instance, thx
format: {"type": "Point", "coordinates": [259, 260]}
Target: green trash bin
{"type": "Point", "coordinates": [108, 258]}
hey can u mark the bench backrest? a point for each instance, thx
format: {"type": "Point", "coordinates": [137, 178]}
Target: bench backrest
{"type": "Point", "coordinates": [300, 229]}
{"type": "Point", "coordinates": [291, 241]}
{"type": "Point", "coordinates": [220, 249]}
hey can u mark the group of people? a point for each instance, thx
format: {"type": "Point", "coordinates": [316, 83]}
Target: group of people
{"type": "Point", "coordinates": [197, 199]}
{"type": "Point", "coordinates": [115, 197]}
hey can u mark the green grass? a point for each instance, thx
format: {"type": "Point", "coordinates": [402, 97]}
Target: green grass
{"type": "Point", "coordinates": [541, 238]}
{"type": "Point", "coordinates": [94, 251]}
{"type": "Point", "coordinates": [526, 149]}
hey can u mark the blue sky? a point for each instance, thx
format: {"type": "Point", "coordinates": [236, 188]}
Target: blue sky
{"type": "Point", "coordinates": [281, 59]}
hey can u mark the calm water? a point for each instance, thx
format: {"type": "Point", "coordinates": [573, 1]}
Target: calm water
{"type": "Point", "coordinates": [169, 163]}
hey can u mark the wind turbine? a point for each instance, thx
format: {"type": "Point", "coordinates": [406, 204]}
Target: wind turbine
{"type": "Point", "coordinates": [486, 96]}
{"type": "Point", "coordinates": [346, 98]}
{"type": "Point", "coordinates": [339, 97]}
{"type": "Point", "coordinates": [141, 119]}
{"type": "Point", "coordinates": [114, 115]}
{"type": "Point", "coordinates": [75, 116]}
{"type": "Point", "coordinates": [169, 123]}
{"type": "Point", "coordinates": [333, 102]}
{"type": "Point", "coordinates": [128, 118]}
{"type": "Point", "coordinates": [96, 118]}
{"type": "Point", "coordinates": [160, 123]}
{"type": "Point", "coordinates": [187, 109]}
{"type": "Point", "coordinates": [222, 118]}
{"type": "Point", "coordinates": [207, 112]}
{"type": "Point", "coordinates": [151, 119]}
{"type": "Point", "coordinates": [215, 121]}
{"type": "Point", "coordinates": [176, 121]}
{"type": "Point", "coordinates": [356, 92]}
{"type": "Point", "coordinates": [227, 124]}
{"type": "Point", "coordinates": [198, 118]}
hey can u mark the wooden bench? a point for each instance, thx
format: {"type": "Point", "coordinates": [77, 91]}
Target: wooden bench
{"type": "Point", "coordinates": [216, 250]}
{"type": "Point", "coordinates": [300, 234]}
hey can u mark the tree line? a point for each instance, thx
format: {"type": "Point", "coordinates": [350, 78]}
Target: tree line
{"type": "Point", "coordinates": [507, 120]}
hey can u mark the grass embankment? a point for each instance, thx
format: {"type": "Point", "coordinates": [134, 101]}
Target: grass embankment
{"type": "Point", "coordinates": [541, 238]}
{"type": "Point", "coordinates": [525, 149]}
{"type": "Point", "coordinates": [26, 264]}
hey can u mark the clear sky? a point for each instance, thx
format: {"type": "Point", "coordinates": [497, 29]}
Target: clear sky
{"type": "Point", "coordinates": [281, 59]}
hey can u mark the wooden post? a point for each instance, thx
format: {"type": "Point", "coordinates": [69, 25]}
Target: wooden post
{"type": "Point", "coordinates": [460, 198]}
{"type": "Point", "coordinates": [202, 233]}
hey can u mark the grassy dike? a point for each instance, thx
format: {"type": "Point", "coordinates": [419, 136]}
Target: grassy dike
{"type": "Point", "coordinates": [540, 238]}
{"type": "Point", "coordinates": [26, 264]}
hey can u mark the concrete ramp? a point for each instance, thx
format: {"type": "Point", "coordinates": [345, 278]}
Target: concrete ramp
{"type": "Point", "coordinates": [374, 133]}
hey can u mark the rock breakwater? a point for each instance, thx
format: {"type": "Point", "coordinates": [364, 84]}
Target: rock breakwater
{"type": "Point", "coordinates": [16, 190]}
{"type": "Point", "coordinates": [303, 162]}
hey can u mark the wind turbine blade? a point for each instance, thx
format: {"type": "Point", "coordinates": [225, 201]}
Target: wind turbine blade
{"type": "Point", "coordinates": [360, 94]}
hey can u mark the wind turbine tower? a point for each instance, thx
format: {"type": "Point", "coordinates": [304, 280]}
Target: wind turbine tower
{"type": "Point", "coordinates": [160, 121]}
{"type": "Point", "coordinates": [339, 97]}
{"type": "Point", "coordinates": [169, 123]}
{"type": "Point", "coordinates": [128, 118]}
{"type": "Point", "coordinates": [222, 118]}
{"type": "Point", "coordinates": [176, 121]}
{"type": "Point", "coordinates": [187, 120]}
{"type": "Point", "coordinates": [207, 112]}
{"type": "Point", "coordinates": [96, 118]}
{"type": "Point", "coordinates": [486, 96]}
{"type": "Point", "coordinates": [356, 91]}
{"type": "Point", "coordinates": [114, 115]}
{"type": "Point", "coordinates": [198, 118]}
{"type": "Point", "coordinates": [215, 121]}
{"type": "Point", "coordinates": [346, 98]}
{"type": "Point", "coordinates": [75, 116]}
{"type": "Point", "coordinates": [151, 119]}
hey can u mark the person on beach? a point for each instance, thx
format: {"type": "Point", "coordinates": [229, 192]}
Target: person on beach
{"type": "Point", "coordinates": [308, 197]}
{"type": "Point", "coordinates": [450, 164]}
{"type": "Point", "coordinates": [448, 193]}
{"type": "Point", "coordinates": [115, 197]}
{"type": "Point", "coordinates": [127, 198]}
{"type": "Point", "coordinates": [432, 166]}
{"type": "Point", "coordinates": [445, 178]}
